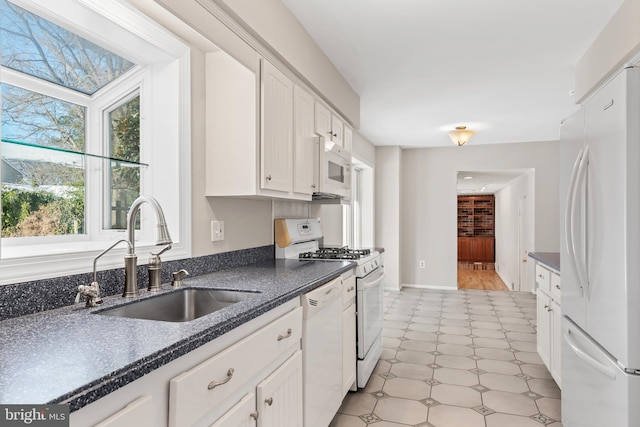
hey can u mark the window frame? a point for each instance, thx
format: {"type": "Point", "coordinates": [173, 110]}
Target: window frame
{"type": "Point", "coordinates": [73, 254]}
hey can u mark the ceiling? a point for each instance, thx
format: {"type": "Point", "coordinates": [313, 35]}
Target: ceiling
{"type": "Point", "coordinates": [504, 68]}
{"type": "Point", "coordinates": [487, 182]}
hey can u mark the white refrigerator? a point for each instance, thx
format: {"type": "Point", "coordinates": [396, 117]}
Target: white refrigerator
{"type": "Point", "coordinates": [600, 257]}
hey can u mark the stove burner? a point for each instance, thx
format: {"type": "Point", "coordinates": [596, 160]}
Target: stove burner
{"type": "Point", "coordinates": [335, 253]}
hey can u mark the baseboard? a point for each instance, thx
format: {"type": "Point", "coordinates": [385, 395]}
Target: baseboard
{"type": "Point", "coordinates": [505, 280]}
{"type": "Point", "coordinates": [434, 287]}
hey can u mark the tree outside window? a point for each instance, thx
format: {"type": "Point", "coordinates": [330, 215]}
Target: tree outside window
{"type": "Point", "coordinates": [43, 133]}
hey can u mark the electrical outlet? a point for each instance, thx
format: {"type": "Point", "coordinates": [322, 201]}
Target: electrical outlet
{"type": "Point", "coordinates": [421, 264]}
{"type": "Point", "coordinates": [217, 231]}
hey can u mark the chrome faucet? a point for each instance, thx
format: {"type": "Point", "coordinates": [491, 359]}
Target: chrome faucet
{"type": "Point", "coordinates": [131, 259]}
{"type": "Point", "coordinates": [92, 292]}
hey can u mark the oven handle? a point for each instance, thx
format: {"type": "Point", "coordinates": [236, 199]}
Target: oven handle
{"type": "Point", "coordinates": [373, 279]}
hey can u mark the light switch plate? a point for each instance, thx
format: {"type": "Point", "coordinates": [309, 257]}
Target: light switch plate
{"type": "Point", "coordinates": [217, 231]}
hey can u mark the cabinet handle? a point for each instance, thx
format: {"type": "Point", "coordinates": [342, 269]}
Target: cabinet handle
{"type": "Point", "coordinates": [284, 337]}
{"type": "Point", "coordinates": [255, 415]}
{"type": "Point", "coordinates": [557, 286]}
{"type": "Point", "coordinates": [268, 178]}
{"type": "Point", "coordinates": [350, 289]}
{"type": "Point", "coordinates": [269, 401]}
{"type": "Point", "coordinates": [313, 186]}
{"type": "Point", "coordinates": [214, 384]}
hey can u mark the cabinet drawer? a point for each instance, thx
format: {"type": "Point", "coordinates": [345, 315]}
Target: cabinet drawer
{"type": "Point", "coordinates": [136, 413]}
{"type": "Point", "coordinates": [542, 278]}
{"type": "Point", "coordinates": [200, 389]}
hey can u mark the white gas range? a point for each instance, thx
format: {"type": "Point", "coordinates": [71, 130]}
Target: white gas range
{"type": "Point", "coordinates": [301, 239]}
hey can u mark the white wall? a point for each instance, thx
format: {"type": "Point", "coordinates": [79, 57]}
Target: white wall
{"type": "Point", "coordinates": [387, 206]}
{"type": "Point", "coordinates": [618, 43]}
{"type": "Point", "coordinates": [363, 150]}
{"type": "Point", "coordinates": [507, 231]}
{"type": "Point", "coordinates": [429, 202]}
{"type": "Point", "coordinates": [276, 27]}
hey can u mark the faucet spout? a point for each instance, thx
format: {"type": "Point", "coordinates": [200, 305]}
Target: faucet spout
{"type": "Point", "coordinates": [162, 232]}
{"type": "Point", "coordinates": [131, 259]}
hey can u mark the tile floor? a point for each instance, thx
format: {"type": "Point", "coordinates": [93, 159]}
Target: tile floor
{"type": "Point", "coordinates": [463, 358]}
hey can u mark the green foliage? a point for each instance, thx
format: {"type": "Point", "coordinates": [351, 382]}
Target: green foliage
{"type": "Point", "coordinates": [41, 213]}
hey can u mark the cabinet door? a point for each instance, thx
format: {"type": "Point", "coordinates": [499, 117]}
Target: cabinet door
{"type": "Point", "coordinates": [280, 395]}
{"type": "Point", "coordinates": [304, 145]}
{"type": "Point", "coordinates": [348, 348]}
{"type": "Point", "coordinates": [337, 130]}
{"type": "Point", "coordinates": [276, 142]}
{"type": "Point", "coordinates": [242, 414]}
{"type": "Point", "coordinates": [555, 287]}
{"type": "Point", "coordinates": [322, 121]}
{"type": "Point", "coordinates": [464, 249]}
{"type": "Point", "coordinates": [486, 249]}
{"type": "Point", "coordinates": [556, 341]}
{"type": "Point", "coordinates": [543, 278]}
{"type": "Point", "coordinates": [544, 327]}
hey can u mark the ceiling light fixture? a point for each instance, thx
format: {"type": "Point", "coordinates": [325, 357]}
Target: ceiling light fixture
{"type": "Point", "coordinates": [461, 135]}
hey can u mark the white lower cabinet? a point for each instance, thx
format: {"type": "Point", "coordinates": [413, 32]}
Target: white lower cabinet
{"type": "Point", "coordinates": [242, 414]}
{"type": "Point", "coordinates": [544, 327]}
{"type": "Point", "coordinates": [277, 401]}
{"type": "Point", "coordinates": [212, 384]}
{"type": "Point", "coordinates": [549, 319]}
{"type": "Point", "coordinates": [199, 392]}
{"type": "Point", "coordinates": [349, 350]}
{"type": "Point", "coordinates": [136, 413]}
{"type": "Point", "coordinates": [279, 396]}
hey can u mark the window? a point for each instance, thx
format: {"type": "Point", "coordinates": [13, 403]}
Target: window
{"type": "Point", "coordinates": [361, 218]}
{"type": "Point", "coordinates": [88, 125]}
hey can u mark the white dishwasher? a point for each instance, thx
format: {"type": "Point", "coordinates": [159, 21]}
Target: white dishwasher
{"type": "Point", "coordinates": [322, 351]}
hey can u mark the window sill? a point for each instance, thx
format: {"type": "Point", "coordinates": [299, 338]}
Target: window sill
{"type": "Point", "coordinates": [64, 259]}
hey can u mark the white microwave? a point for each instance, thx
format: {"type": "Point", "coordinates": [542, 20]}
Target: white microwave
{"type": "Point", "coordinates": [334, 171]}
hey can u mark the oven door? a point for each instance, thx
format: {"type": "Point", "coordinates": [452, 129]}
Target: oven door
{"type": "Point", "coordinates": [370, 312]}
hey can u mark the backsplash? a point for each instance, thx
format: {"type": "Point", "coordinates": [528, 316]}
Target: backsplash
{"type": "Point", "coordinates": [291, 209]}
{"type": "Point", "coordinates": [25, 298]}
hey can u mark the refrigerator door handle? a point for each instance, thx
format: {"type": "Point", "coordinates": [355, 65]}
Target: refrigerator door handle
{"type": "Point", "coordinates": [568, 218]}
{"type": "Point", "coordinates": [581, 270]}
{"type": "Point", "coordinates": [607, 371]}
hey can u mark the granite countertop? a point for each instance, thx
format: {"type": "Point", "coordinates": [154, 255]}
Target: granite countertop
{"type": "Point", "coordinates": [550, 259]}
{"type": "Point", "coordinates": [71, 355]}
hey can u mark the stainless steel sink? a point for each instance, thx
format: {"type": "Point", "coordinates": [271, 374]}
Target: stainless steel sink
{"type": "Point", "coordinates": [181, 305]}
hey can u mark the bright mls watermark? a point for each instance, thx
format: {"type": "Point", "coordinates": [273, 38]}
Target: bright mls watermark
{"type": "Point", "coordinates": [34, 415]}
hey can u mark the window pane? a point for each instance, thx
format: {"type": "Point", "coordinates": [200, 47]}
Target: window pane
{"type": "Point", "coordinates": [37, 47]}
{"type": "Point", "coordinates": [42, 189]}
{"type": "Point", "coordinates": [124, 144]}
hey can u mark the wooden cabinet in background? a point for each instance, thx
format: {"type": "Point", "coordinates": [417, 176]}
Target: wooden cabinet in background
{"type": "Point", "coordinates": [476, 249]}
{"type": "Point", "coordinates": [476, 224]}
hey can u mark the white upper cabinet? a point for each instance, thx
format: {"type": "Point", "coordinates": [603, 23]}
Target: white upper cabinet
{"type": "Point", "coordinates": [304, 145]}
{"type": "Point", "coordinates": [250, 130]}
{"type": "Point", "coordinates": [331, 126]}
{"type": "Point", "coordinates": [322, 121]}
{"type": "Point", "coordinates": [260, 130]}
{"type": "Point", "coordinates": [276, 142]}
{"type": "Point", "coordinates": [337, 130]}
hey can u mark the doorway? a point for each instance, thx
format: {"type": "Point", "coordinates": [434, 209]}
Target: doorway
{"type": "Point", "coordinates": [512, 190]}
